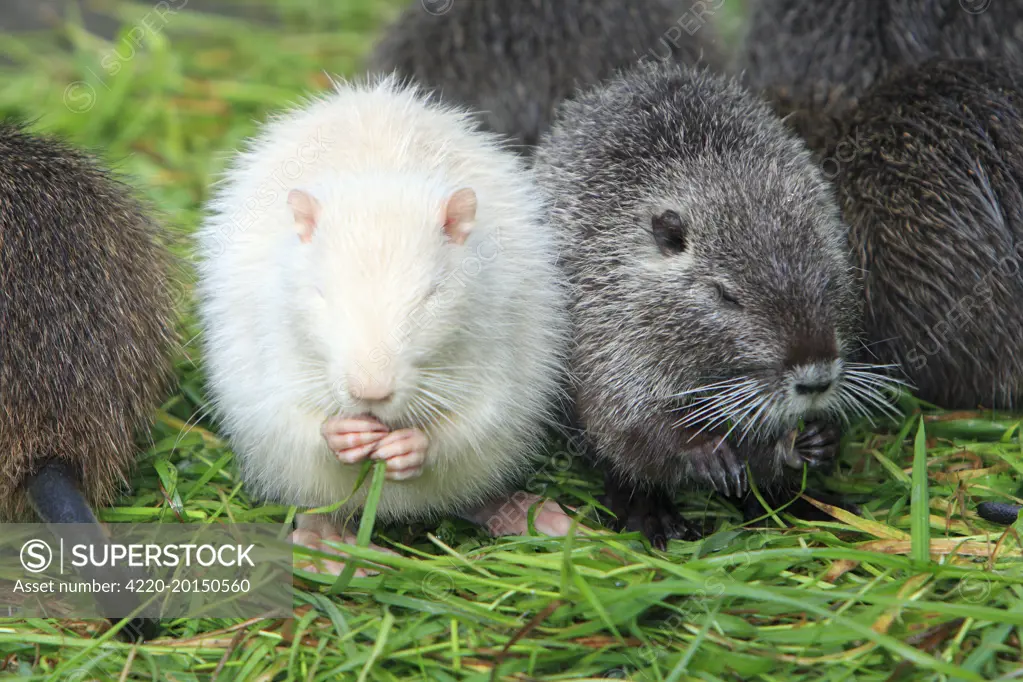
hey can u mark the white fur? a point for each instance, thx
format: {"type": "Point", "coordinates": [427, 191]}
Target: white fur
{"type": "Point", "coordinates": [285, 323]}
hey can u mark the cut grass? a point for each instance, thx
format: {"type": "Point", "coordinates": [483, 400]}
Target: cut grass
{"type": "Point", "coordinates": [918, 587]}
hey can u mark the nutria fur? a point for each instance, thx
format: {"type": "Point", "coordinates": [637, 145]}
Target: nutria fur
{"type": "Point", "coordinates": [424, 298]}
{"type": "Point", "coordinates": [710, 275]}
{"type": "Point", "coordinates": [803, 49]}
{"type": "Point", "coordinates": [515, 61]}
{"type": "Point", "coordinates": [929, 176]}
{"type": "Point", "coordinates": [85, 315]}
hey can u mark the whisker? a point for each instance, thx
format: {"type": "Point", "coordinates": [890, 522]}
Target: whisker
{"type": "Point", "coordinates": [754, 421]}
{"type": "Point", "coordinates": [717, 402]}
{"type": "Point", "coordinates": [880, 379]}
{"type": "Point", "coordinates": [728, 383]}
{"type": "Point", "coordinates": [853, 405]}
{"type": "Point", "coordinates": [879, 388]}
{"type": "Point", "coordinates": [872, 398]}
{"type": "Point", "coordinates": [735, 407]}
{"type": "Point", "coordinates": [738, 420]}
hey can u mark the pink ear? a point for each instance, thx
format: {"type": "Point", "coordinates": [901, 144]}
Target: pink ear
{"type": "Point", "coordinates": [306, 209]}
{"type": "Point", "coordinates": [459, 214]}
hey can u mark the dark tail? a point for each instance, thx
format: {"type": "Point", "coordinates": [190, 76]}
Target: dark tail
{"type": "Point", "coordinates": [55, 496]}
{"type": "Point", "coordinates": [998, 512]}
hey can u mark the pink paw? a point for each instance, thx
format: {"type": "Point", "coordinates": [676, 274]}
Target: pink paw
{"type": "Point", "coordinates": [352, 439]}
{"type": "Point", "coordinates": [313, 532]}
{"type": "Point", "coordinates": [405, 452]}
{"type": "Point", "coordinates": [510, 516]}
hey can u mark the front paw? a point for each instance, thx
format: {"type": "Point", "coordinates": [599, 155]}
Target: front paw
{"type": "Point", "coordinates": [352, 439]}
{"type": "Point", "coordinates": [404, 452]}
{"type": "Point", "coordinates": [716, 464]}
{"type": "Point", "coordinates": [817, 446]}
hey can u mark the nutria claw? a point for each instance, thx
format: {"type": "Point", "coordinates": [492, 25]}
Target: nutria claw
{"type": "Point", "coordinates": [716, 464]}
{"type": "Point", "coordinates": [652, 513]}
{"type": "Point", "coordinates": [817, 445]}
{"type": "Point", "coordinates": [659, 523]}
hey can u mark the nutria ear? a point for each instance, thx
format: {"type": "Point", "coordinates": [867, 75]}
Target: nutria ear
{"type": "Point", "coordinates": [306, 210]}
{"type": "Point", "coordinates": [460, 214]}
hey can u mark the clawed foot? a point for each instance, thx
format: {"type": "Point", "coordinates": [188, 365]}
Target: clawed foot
{"type": "Point", "coordinates": [654, 515]}
{"type": "Point", "coordinates": [312, 532]}
{"type": "Point", "coordinates": [817, 445]}
{"type": "Point", "coordinates": [715, 463]}
{"type": "Point", "coordinates": [510, 516]}
{"type": "Point", "coordinates": [650, 512]}
{"type": "Point", "coordinates": [355, 439]}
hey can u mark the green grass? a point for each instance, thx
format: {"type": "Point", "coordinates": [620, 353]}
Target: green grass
{"type": "Point", "coordinates": [918, 588]}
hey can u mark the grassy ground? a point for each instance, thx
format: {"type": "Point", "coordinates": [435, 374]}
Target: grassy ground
{"type": "Point", "coordinates": [919, 588]}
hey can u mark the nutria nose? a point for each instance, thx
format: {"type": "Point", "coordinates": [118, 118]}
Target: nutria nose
{"type": "Point", "coordinates": [370, 389]}
{"type": "Point", "coordinates": [813, 388]}
{"type": "Point", "coordinates": [811, 348]}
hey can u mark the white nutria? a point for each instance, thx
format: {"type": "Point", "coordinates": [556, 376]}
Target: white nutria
{"type": "Point", "coordinates": [377, 281]}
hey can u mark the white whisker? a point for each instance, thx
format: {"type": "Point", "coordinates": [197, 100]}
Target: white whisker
{"type": "Point", "coordinates": [754, 421]}
{"type": "Point", "coordinates": [738, 420]}
{"type": "Point", "coordinates": [720, 386]}
{"type": "Point", "coordinates": [727, 414]}
{"type": "Point", "coordinates": [718, 402]}
{"type": "Point", "coordinates": [872, 398]}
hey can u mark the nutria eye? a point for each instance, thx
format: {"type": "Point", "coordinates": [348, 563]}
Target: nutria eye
{"type": "Point", "coordinates": [726, 295]}
{"type": "Point", "coordinates": [669, 233]}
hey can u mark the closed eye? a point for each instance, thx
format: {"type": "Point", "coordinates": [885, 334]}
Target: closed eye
{"type": "Point", "coordinates": [726, 296]}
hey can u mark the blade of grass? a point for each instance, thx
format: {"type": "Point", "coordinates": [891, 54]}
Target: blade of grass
{"type": "Point", "coordinates": [920, 526]}
{"type": "Point", "coordinates": [369, 515]}
{"type": "Point", "coordinates": [385, 626]}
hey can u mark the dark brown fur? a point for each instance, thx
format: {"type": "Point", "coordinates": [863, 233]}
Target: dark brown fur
{"type": "Point", "coordinates": [930, 179]}
{"type": "Point", "coordinates": [85, 314]}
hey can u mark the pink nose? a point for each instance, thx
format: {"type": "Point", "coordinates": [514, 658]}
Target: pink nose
{"type": "Point", "coordinates": [376, 389]}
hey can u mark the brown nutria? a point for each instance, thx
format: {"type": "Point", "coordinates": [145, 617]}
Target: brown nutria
{"type": "Point", "coordinates": [804, 49]}
{"type": "Point", "coordinates": [929, 169]}
{"type": "Point", "coordinates": [713, 299]}
{"type": "Point", "coordinates": [86, 318]}
{"type": "Point", "coordinates": [515, 61]}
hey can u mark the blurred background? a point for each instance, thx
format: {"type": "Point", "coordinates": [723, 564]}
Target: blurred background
{"type": "Point", "coordinates": [163, 90]}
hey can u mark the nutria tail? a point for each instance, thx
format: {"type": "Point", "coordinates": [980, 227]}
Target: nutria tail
{"type": "Point", "coordinates": [999, 512]}
{"type": "Point", "coordinates": [56, 497]}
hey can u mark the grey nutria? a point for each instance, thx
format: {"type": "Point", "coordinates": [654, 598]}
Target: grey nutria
{"type": "Point", "coordinates": [929, 170]}
{"type": "Point", "coordinates": [805, 49]}
{"type": "Point", "coordinates": [85, 329]}
{"type": "Point", "coordinates": [714, 303]}
{"type": "Point", "coordinates": [515, 60]}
